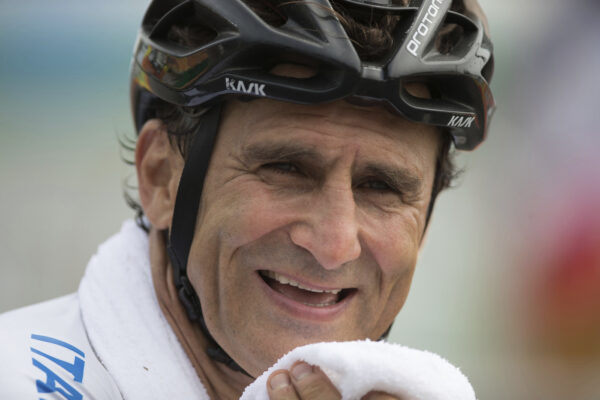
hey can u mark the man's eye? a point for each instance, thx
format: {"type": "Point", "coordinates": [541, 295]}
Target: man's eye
{"type": "Point", "coordinates": [378, 186]}
{"type": "Point", "coordinates": [282, 167]}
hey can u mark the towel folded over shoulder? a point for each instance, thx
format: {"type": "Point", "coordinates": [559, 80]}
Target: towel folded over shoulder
{"type": "Point", "coordinates": [126, 326]}
{"type": "Point", "coordinates": [356, 368]}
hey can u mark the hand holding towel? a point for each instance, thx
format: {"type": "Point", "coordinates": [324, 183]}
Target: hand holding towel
{"type": "Point", "coordinates": [357, 368]}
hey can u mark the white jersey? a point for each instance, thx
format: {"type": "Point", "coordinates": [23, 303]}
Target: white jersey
{"type": "Point", "coordinates": [110, 340]}
{"type": "Point", "coordinates": [45, 354]}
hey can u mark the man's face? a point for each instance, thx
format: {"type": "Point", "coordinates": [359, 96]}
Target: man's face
{"type": "Point", "coordinates": [310, 224]}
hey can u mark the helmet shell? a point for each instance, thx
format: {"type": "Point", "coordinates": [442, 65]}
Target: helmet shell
{"type": "Point", "coordinates": [242, 48]}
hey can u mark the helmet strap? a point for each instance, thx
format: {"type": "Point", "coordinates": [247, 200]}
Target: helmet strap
{"type": "Point", "coordinates": [183, 226]}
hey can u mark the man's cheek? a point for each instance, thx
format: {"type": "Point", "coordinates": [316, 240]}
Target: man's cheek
{"type": "Point", "coordinates": [256, 217]}
{"type": "Point", "coordinates": [395, 254]}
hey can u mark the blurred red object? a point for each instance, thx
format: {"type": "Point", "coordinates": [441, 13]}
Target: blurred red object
{"type": "Point", "coordinates": [566, 291]}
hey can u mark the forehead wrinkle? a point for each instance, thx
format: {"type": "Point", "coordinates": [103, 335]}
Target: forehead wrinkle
{"type": "Point", "coordinates": [358, 119]}
{"type": "Point", "coordinates": [328, 120]}
{"type": "Point", "coordinates": [300, 123]}
{"type": "Point", "coordinates": [293, 125]}
{"type": "Point", "coordinates": [273, 150]}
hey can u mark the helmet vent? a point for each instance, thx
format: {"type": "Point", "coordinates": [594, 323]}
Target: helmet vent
{"type": "Point", "coordinates": [418, 89]}
{"type": "Point", "coordinates": [183, 27]}
{"type": "Point", "coordinates": [190, 37]}
{"type": "Point", "coordinates": [448, 38]}
{"type": "Point", "coordinates": [267, 11]}
{"type": "Point", "coordinates": [156, 11]}
{"type": "Point", "coordinates": [373, 32]}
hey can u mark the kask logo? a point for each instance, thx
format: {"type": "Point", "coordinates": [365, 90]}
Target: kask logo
{"type": "Point", "coordinates": [457, 121]}
{"type": "Point", "coordinates": [241, 86]}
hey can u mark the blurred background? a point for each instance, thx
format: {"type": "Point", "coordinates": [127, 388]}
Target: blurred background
{"type": "Point", "coordinates": [508, 285]}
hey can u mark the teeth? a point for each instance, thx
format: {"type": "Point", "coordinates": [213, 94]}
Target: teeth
{"type": "Point", "coordinates": [286, 281]}
{"type": "Point", "coordinates": [319, 305]}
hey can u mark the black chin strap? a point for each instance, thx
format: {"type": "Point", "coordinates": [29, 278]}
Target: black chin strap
{"type": "Point", "coordinates": [183, 226]}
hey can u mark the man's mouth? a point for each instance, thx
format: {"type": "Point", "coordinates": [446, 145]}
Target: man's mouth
{"type": "Point", "coordinates": [310, 296]}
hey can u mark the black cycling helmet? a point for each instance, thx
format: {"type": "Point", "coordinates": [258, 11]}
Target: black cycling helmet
{"type": "Point", "coordinates": [241, 48]}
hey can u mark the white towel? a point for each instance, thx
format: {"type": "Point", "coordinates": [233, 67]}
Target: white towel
{"type": "Point", "coordinates": [137, 346]}
{"type": "Point", "coordinates": [126, 327]}
{"type": "Point", "coordinates": [356, 368]}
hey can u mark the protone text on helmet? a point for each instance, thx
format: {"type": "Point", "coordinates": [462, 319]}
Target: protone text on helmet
{"type": "Point", "coordinates": [424, 27]}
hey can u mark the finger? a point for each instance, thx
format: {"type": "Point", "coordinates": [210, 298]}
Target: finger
{"type": "Point", "coordinates": [379, 396]}
{"type": "Point", "coordinates": [280, 387]}
{"type": "Point", "coordinates": [311, 383]}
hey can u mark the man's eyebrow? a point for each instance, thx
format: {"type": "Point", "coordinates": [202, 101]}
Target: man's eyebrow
{"type": "Point", "coordinates": [262, 152]}
{"type": "Point", "coordinates": [401, 179]}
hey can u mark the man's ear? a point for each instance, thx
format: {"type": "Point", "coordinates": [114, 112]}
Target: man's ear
{"type": "Point", "coordinates": [159, 169]}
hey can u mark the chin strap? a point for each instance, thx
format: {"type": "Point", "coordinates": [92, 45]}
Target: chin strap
{"type": "Point", "coordinates": [183, 227]}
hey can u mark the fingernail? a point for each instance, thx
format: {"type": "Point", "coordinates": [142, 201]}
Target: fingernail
{"type": "Point", "coordinates": [279, 381]}
{"type": "Point", "coordinates": [300, 370]}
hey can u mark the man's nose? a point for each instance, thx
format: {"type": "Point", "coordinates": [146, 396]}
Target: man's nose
{"type": "Point", "coordinates": [329, 228]}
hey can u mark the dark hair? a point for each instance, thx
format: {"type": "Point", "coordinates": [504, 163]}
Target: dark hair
{"type": "Point", "coordinates": [371, 35]}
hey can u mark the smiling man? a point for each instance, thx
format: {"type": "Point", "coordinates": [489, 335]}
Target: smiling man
{"type": "Point", "coordinates": [288, 159]}
{"type": "Point", "coordinates": [310, 222]}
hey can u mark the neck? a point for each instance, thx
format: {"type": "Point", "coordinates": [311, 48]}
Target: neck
{"type": "Point", "coordinates": [220, 381]}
